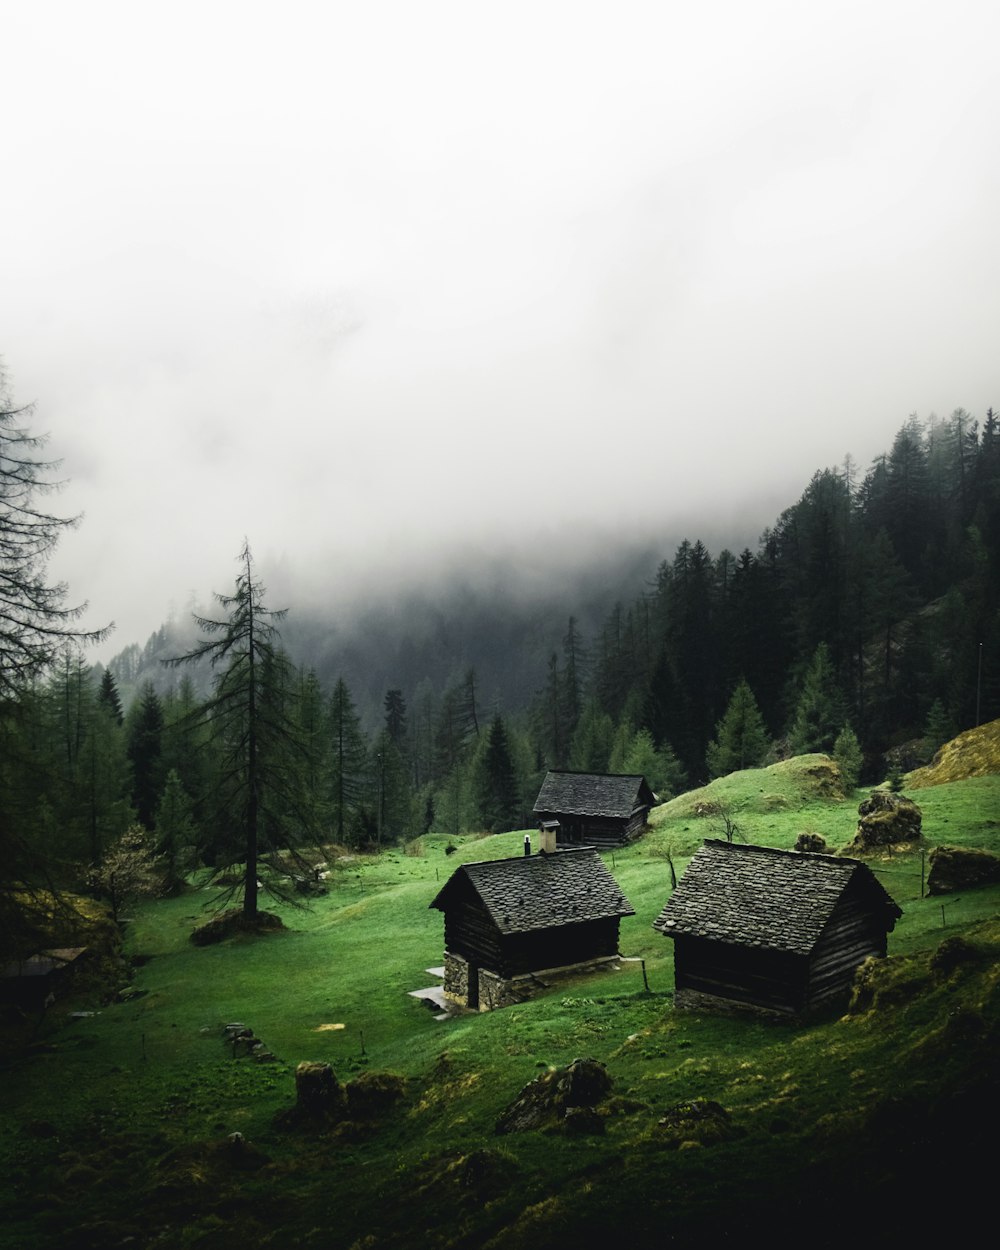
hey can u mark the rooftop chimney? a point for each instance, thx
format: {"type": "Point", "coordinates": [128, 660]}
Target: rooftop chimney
{"type": "Point", "coordinates": [547, 837]}
{"type": "Point", "coordinates": [527, 844]}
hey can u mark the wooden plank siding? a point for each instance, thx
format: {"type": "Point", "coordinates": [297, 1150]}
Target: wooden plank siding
{"type": "Point", "coordinates": [506, 919]}
{"type": "Point", "coordinates": [599, 809]}
{"type": "Point", "coordinates": [775, 980]}
{"type": "Point", "coordinates": [779, 932]}
{"type": "Point", "coordinates": [848, 939]}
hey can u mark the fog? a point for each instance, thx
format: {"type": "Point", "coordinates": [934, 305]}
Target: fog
{"type": "Point", "coordinates": [398, 292]}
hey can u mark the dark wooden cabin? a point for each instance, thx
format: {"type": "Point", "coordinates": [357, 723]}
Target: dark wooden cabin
{"type": "Point", "coordinates": [599, 809]}
{"type": "Point", "coordinates": [774, 932]}
{"type": "Point", "coordinates": [507, 920]}
{"type": "Point", "coordinates": [30, 982]}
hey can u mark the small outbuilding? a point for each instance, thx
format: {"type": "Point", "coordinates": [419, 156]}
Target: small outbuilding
{"type": "Point", "coordinates": [777, 933]}
{"type": "Point", "coordinates": [32, 982]}
{"type": "Point", "coordinates": [597, 809]}
{"type": "Point", "coordinates": [513, 925]}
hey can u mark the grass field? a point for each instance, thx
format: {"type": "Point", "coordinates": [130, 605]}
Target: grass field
{"type": "Point", "coordinates": [115, 1124]}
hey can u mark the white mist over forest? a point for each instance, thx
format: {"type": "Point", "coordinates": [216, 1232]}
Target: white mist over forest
{"type": "Point", "coordinates": [396, 292]}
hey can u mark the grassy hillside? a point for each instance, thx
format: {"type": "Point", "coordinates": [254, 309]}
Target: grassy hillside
{"type": "Point", "coordinates": [116, 1124]}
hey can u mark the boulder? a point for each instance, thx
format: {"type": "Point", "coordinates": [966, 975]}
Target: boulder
{"type": "Point", "coordinates": [319, 1096]}
{"type": "Point", "coordinates": [551, 1099]}
{"type": "Point", "coordinates": [884, 819]}
{"type": "Point", "coordinates": [371, 1094]}
{"type": "Point", "coordinates": [956, 868]}
{"type": "Point", "coordinates": [697, 1122]}
{"type": "Point", "coordinates": [813, 842]}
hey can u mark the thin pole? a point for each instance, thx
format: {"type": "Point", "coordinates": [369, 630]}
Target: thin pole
{"type": "Point", "coordinates": [979, 682]}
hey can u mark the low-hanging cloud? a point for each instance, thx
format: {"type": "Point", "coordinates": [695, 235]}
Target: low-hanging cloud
{"type": "Point", "coordinates": [394, 292]}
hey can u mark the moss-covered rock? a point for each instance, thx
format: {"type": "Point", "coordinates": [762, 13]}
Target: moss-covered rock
{"type": "Point", "coordinates": [954, 868]}
{"type": "Point", "coordinates": [885, 819]}
{"type": "Point", "coordinates": [233, 923]}
{"type": "Point", "coordinates": [545, 1102]}
{"type": "Point", "coordinates": [696, 1122]}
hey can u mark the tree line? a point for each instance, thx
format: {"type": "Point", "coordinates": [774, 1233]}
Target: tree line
{"type": "Point", "coordinates": [872, 604]}
{"type": "Point", "coordinates": [865, 622]}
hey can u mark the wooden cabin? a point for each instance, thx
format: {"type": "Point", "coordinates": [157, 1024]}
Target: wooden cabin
{"type": "Point", "coordinates": [778, 933]}
{"type": "Point", "coordinates": [598, 809]}
{"type": "Point", "coordinates": [510, 925]}
{"type": "Point", "coordinates": [31, 982]}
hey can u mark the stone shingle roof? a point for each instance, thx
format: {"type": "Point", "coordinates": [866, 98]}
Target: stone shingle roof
{"type": "Point", "coordinates": [761, 897]}
{"type": "Point", "coordinates": [593, 794]}
{"type": "Point", "coordinates": [540, 891]}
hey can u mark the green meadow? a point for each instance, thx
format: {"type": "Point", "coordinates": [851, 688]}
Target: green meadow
{"type": "Point", "coordinates": [116, 1123]}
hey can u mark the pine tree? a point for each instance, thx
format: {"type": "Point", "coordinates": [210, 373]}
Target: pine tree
{"type": "Point", "coordinates": [940, 727]}
{"type": "Point", "coordinates": [395, 719]}
{"type": "Point", "coordinates": [144, 736]}
{"type": "Point", "coordinates": [391, 796]}
{"type": "Point", "coordinates": [741, 738]}
{"type": "Point", "coordinates": [348, 765]}
{"type": "Point", "coordinates": [108, 698]}
{"type": "Point", "coordinates": [590, 749]}
{"type": "Point", "coordinates": [175, 828]}
{"type": "Point", "coordinates": [848, 756]}
{"type": "Point", "coordinates": [498, 799]}
{"type": "Point", "coordinates": [819, 713]}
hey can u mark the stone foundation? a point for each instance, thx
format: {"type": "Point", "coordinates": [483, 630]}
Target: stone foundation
{"type": "Point", "coordinates": [497, 991]}
{"type": "Point", "coordinates": [695, 1000]}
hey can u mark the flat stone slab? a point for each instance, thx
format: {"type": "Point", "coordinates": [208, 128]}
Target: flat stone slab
{"type": "Point", "coordinates": [433, 994]}
{"type": "Point", "coordinates": [435, 972]}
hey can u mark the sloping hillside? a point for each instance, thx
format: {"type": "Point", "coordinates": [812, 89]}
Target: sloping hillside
{"type": "Point", "coordinates": [975, 753]}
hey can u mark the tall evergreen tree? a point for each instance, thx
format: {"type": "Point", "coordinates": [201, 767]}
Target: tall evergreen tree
{"type": "Point", "coordinates": [848, 755]}
{"type": "Point", "coordinates": [741, 739]}
{"type": "Point", "coordinates": [144, 736]}
{"type": "Point", "coordinates": [348, 765]}
{"type": "Point", "coordinates": [107, 696]}
{"type": "Point", "coordinates": [176, 831]}
{"type": "Point", "coordinates": [498, 798]}
{"type": "Point", "coordinates": [395, 719]}
{"type": "Point", "coordinates": [248, 714]}
{"type": "Point", "coordinates": [819, 713]}
{"type": "Point", "coordinates": [391, 794]}
{"type": "Point", "coordinates": [34, 621]}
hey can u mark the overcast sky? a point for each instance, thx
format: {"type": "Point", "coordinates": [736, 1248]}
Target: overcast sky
{"type": "Point", "coordinates": [373, 284]}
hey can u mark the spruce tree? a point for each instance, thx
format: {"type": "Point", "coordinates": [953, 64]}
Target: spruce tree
{"type": "Point", "coordinates": [108, 697]}
{"type": "Point", "coordinates": [144, 735]}
{"type": "Point", "coordinates": [499, 802]}
{"type": "Point", "coordinates": [175, 828]}
{"type": "Point", "coordinates": [847, 753]}
{"type": "Point", "coordinates": [741, 738]}
{"type": "Point", "coordinates": [348, 765]}
{"type": "Point", "coordinates": [819, 713]}
{"type": "Point", "coordinates": [940, 727]}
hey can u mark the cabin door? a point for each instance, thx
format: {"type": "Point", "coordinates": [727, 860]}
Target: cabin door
{"type": "Point", "coordinates": [473, 995]}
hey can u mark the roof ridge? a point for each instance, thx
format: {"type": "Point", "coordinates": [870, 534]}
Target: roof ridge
{"type": "Point", "coordinates": [586, 772]}
{"type": "Point", "coordinates": [777, 850]}
{"type": "Point", "coordinates": [559, 853]}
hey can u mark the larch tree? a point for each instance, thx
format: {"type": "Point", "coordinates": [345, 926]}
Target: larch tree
{"type": "Point", "coordinates": [248, 715]}
{"type": "Point", "coordinates": [35, 623]}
